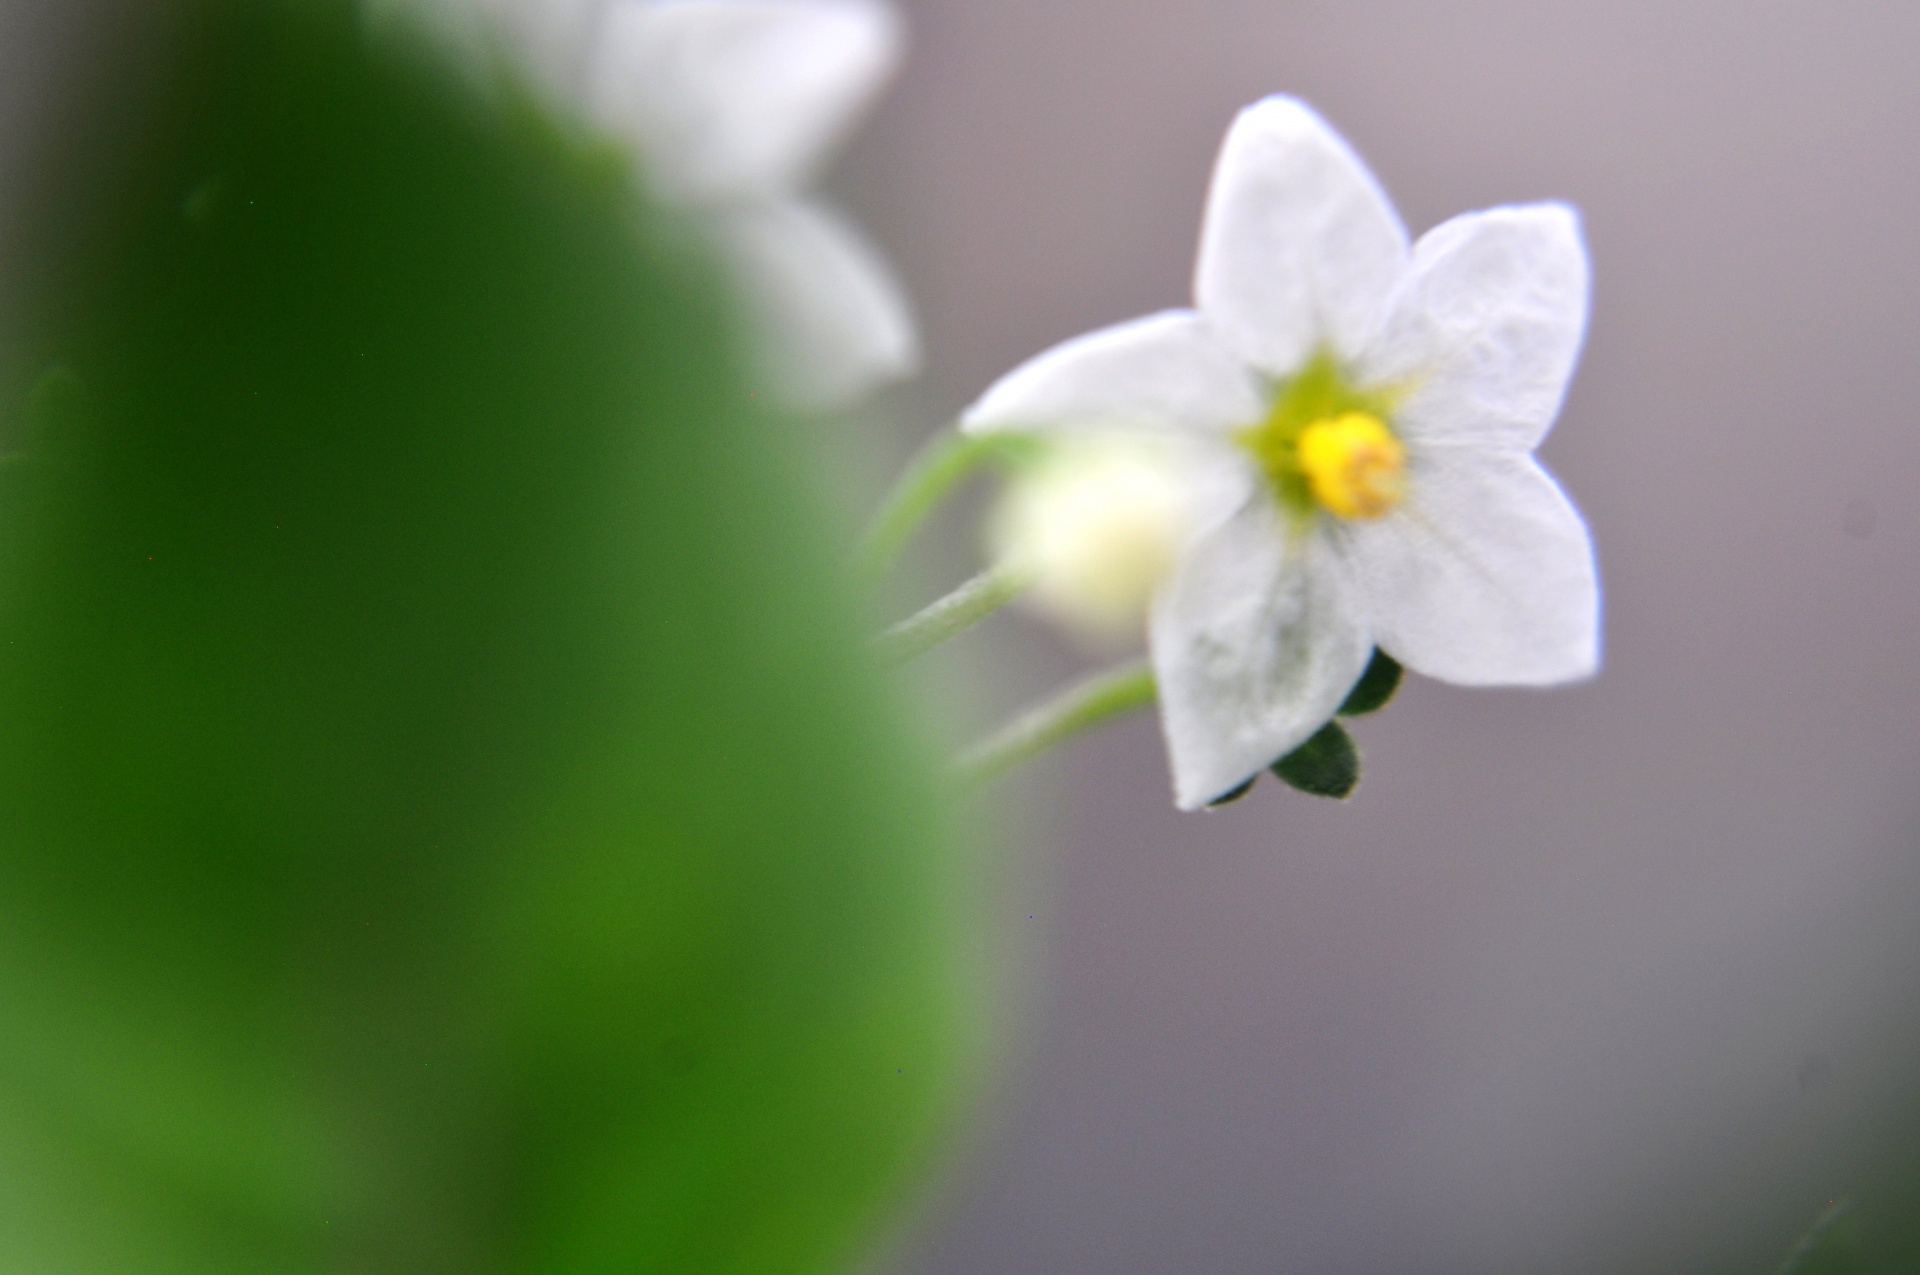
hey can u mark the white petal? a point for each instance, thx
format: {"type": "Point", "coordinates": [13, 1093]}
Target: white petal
{"type": "Point", "coordinates": [1256, 640]}
{"type": "Point", "coordinates": [733, 98]}
{"type": "Point", "coordinates": [1486, 328]}
{"type": "Point", "coordinates": [1300, 245]}
{"type": "Point", "coordinates": [827, 318]}
{"type": "Point", "coordinates": [1485, 577]}
{"type": "Point", "coordinates": [1163, 371]}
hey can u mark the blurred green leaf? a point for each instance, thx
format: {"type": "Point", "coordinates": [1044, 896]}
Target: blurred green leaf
{"type": "Point", "coordinates": [1831, 1247]}
{"type": "Point", "coordinates": [400, 605]}
{"type": "Point", "coordinates": [1327, 765]}
{"type": "Point", "coordinates": [1873, 1230]}
{"type": "Point", "coordinates": [1375, 687]}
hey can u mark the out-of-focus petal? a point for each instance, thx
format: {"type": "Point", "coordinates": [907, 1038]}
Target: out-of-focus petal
{"type": "Point", "coordinates": [545, 38]}
{"type": "Point", "coordinates": [1256, 639]}
{"type": "Point", "coordinates": [1300, 246]}
{"type": "Point", "coordinates": [1484, 577]}
{"type": "Point", "coordinates": [1485, 330]}
{"type": "Point", "coordinates": [735, 98]}
{"type": "Point", "coordinates": [827, 318]}
{"type": "Point", "coordinates": [552, 33]}
{"type": "Point", "coordinates": [1163, 371]}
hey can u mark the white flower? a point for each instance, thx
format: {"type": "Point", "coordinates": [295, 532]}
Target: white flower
{"type": "Point", "coordinates": [731, 107]}
{"type": "Point", "coordinates": [1371, 411]}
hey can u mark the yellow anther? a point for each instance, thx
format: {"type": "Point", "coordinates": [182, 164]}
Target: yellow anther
{"type": "Point", "coordinates": [1354, 465]}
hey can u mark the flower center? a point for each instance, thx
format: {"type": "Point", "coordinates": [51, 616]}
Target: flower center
{"type": "Point", "coordinates": [1325, 444]}
{"type": "Point", "coordinates": [1354, 465]}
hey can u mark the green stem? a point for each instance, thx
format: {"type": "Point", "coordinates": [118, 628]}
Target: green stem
{"type": "Point", "coordinates": [940, 467]}
{"type": "Point", "coordinates": [952, 615]}
{"type": "Point", "coordinates": [1081, 706]}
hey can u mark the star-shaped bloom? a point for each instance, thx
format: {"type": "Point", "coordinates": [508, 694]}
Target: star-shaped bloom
{"type": "Point", "coordinates": [731, 108]}
{"type": "Point", "coordinates": [1369, 411]}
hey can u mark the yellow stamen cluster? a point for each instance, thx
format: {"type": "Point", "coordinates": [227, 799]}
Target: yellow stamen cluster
{"type": "Point", "coordinates": [1354, 465]}
{"type": "Point", "coordinates": [1325, 444]}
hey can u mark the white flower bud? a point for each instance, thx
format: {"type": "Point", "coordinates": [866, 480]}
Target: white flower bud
{"type": "Point", "coordinates": [1094, 526]}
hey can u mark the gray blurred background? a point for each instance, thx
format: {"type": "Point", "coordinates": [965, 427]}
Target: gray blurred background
{"type": "Point", "coordinates": [1612, 978]}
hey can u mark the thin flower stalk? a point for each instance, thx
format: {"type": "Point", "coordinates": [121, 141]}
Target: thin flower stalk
{"type": "Point", "coordinates": [939, 470]}
{"type": "Point", "coordinates": [952, 615]}
{"type": "Point", "coordinates": [1080, 707]}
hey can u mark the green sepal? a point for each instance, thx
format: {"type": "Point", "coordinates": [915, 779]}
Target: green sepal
{"type": "Point", "coordinates": [1375, 687]}
{"type": "Point", "coordinates": [1233, 794]}
{"type": "Point", "coordinates": [1328, 765]}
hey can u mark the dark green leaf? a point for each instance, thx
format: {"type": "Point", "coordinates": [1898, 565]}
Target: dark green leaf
{"type": "Point", "coordinates": [1328, 765]}
{"type": "Point", "coordinates": [1375, 687]}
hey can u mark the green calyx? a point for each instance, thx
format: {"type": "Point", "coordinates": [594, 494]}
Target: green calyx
{"type": "Point", "coordinates": [1319, 391]}
{"type": "Point", "coordinates": [1375, 687]}
{"type": "Point", "coordinates": [1327, 765]}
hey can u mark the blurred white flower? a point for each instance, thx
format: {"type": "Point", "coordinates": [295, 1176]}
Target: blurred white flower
{"type": "Point", "coordinates": [1370, 411]}
{"type": "Point", "coordinates": [731, 108]}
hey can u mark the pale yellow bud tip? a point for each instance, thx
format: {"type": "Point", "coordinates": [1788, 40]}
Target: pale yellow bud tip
{"type": "Point", "coordinates": [1354, 465]}
{"type": "Point", "coordinates": [1094, 528]}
